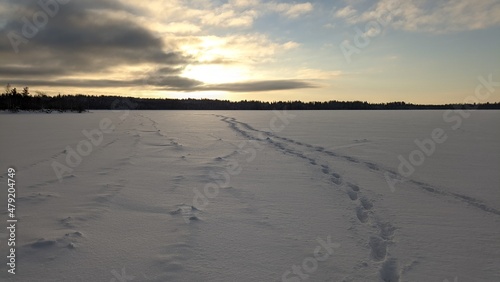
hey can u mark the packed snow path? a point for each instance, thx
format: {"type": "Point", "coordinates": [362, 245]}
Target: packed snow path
{"type": "Point", "coordinates": [219, 196]}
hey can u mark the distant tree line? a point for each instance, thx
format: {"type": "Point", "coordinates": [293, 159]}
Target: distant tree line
{"type": "Point", "coordinates": [14, 101]}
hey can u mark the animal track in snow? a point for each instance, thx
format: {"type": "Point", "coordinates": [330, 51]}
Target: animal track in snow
{"type": "Point", "coordinates": [353, 187]}
{"type": "Point", "coordinates": [352, 195]}
{"type": "Point", "coordinates": [367, 204]}
{"type": "Point", "coordinates": [378, 248]}
{"type": "Point", "coordinates": [389, 271]}
{"type": "Point", "coordinates": [361, 214]}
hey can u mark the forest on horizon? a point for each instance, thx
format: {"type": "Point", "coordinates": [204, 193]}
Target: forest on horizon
{"type": "Point", "coordinates": [14, 101]}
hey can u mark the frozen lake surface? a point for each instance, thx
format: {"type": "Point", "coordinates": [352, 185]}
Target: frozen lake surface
{"type": "Point", "coordinates": [253, 196]}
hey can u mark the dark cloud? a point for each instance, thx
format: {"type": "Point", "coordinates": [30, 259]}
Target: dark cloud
{"type": "Point", "coordinates": [83, 36]}
{"type": "Point", "coordinates": [93, 37]}
{"type": "Point", "coordinates": [16, 71]}
{"type": "Point", "coordinates": [83, 83]}
{"type": "Point", "coordinates": [169, 83]}
{"type": "Point", "coordinates": [176, 83]}
{"type": "Point", "coordinates": [257, 86]}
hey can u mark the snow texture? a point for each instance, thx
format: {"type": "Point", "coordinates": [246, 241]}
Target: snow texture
{"type": "Point", "coordinates": [251, 196]}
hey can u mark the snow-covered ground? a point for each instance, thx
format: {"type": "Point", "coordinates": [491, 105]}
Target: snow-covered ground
{"type": "Point", "coordinates": [253, 196]}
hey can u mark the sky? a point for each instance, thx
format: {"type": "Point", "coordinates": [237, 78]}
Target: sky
{"type": "Point", "coordinates": [417, 51]}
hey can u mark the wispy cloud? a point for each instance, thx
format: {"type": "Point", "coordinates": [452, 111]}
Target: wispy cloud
{"type": "Point", "coordinates": [231, 14]}
{"type": "Point", "coordinates": [441, 16]}
{"type": "Point", "coordinates": [346, 12]}
{"type": "Point", "coordinates": [258, 86]}
{"type": "Point", "coordinates": [290, 10]}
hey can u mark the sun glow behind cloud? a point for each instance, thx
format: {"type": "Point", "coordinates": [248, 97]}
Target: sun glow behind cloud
{"type": "Point", "coordinates": [216, 61]}
{"type": "Point", "coordinates": [217, 74]}
{"type": "Point", "coordinates": [230, 59]}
